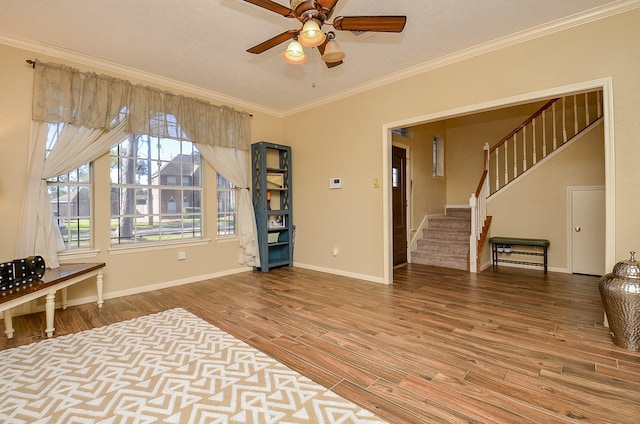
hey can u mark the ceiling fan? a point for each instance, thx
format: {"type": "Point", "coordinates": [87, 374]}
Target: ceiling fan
{"type": "Point", "coordinates": [313, 14]}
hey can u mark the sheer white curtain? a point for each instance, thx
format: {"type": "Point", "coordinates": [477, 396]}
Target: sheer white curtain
{"type": "Point", "coordinates": [75, 146]}
{"type": "Point", "coordinates": [233, 164]}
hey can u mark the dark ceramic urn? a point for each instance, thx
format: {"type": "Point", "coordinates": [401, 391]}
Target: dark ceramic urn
{"type": "Point", "coordinates": [620, 292]}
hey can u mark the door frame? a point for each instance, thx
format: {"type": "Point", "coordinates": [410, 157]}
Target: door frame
{"type": "Point", "coordinates": [570, 191]}
{"type": "Point", "coordinates": [408, 172]}
{"type": "Point", "coordinates": [604, 84]}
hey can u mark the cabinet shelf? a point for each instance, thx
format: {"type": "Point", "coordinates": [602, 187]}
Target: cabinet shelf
{"type": "Point", "coordinates": [271, 194]}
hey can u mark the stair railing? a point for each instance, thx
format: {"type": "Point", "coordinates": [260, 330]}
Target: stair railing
{"type": "Point", "coordinates": [556, 122]}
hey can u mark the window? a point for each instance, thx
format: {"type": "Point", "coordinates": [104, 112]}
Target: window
{"type": "Point", "coordinates": [151, 201]}
{"type": "Point", "coordinates": [404, 132]}
{"type": "Point", "coordinates": [70, 196]}
{"type": "Point", "coordinates": [226, 207]}
{"type": "Point", "coordinates": [438, 157]}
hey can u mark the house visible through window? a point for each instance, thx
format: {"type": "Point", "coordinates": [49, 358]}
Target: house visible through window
{"type": "Point", "coordinates": [227, 213]}
{"type": "Point", "coordinates": [70, 195]}
{"type": "Point", "coordinates": [438, 157]}
{"type": "Point", "coordinates": [156, 191]}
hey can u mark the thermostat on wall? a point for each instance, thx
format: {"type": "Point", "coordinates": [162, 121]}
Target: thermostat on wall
{"type": "Point", "coordinates": [335, 182]}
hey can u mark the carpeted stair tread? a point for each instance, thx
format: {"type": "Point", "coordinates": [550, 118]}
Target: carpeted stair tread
{"type": "Point", "coordinates": [445, 241]}
{"type": "Point", "coordinates": [444, 246]}
{"type": "Point", "coordinates": [446, 234]}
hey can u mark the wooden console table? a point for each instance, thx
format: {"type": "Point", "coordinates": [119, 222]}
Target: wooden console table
{"type": "Point", "coordinates": [54, 279]}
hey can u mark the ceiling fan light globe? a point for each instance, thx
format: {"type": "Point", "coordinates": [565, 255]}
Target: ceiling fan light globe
{"type": "Point", "coordinates": [333, 52]}
{"type": "Point", "coordinates": [294, 54]}
{"type": "Point", "coordinates": [311, 35]}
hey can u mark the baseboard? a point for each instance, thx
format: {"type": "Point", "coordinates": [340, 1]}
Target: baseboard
{"type": "Point", "coordinates": [138, 290]}
{"type": "Point", "coordinates": [341, 273]}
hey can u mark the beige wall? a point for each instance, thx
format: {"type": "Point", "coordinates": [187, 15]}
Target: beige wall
{"type": "Point", "coordinates": [351, 142]}
{"type": "Point", "coordinates": [125, 272]}
{"type": "Point", "coordinates": [346, 139]}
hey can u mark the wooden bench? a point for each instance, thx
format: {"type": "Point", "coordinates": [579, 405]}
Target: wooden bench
{"type": "Point", "coordinates": [516, 241]}
{"type": "Point", "coordinates": [54, 279]}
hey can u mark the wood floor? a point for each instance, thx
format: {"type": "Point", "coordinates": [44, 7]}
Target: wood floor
{"type": "Point", "coordinates": [504, 346]}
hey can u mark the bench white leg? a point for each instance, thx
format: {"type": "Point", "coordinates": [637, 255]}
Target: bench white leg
{"type": "Point", "coordinates": [63, 296]}
{"type": "Point", "coordinates": [99, 284]}
{"type": "Point", "coordinates": [50, 307]}
{"type": "Point", "coordinates": [8, 323]}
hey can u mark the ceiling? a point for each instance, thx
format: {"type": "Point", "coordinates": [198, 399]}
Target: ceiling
{"type": "Point", "coordinates": [200, 45]}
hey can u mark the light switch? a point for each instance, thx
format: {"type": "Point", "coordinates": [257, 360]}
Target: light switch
{"type": "Point", "coordinates": [335, 183]}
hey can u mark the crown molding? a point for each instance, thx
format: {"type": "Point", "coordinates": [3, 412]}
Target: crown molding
{"type": "Point", "coordinates": [147, 77]}
{"type": "Point", "coordinates": [590, 15]}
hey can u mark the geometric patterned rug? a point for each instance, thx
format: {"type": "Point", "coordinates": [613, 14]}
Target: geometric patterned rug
{"type": "Point", "coordinates": [169, 367]}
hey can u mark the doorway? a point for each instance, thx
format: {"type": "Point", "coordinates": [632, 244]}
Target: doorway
{"type": "Point", "coordinates": [606, 84]}
{"type": "Point", "coordinates": [399, 204]}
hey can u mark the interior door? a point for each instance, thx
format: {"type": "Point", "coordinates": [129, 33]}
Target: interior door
{"type": "Point", "coordinates": [588, 230]}
{"type": "Point", "coordinates": [399, 202]}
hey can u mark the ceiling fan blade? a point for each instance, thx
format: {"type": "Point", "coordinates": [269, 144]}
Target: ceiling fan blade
{"type": "Point", "coordinates": [272, 6]}
{"type": "Point", "coordinates": [370, 23]}
{"type": "Point", "coordinates": [274, 41]}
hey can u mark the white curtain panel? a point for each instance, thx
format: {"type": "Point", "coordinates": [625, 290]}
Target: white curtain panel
{"type": "Point", "coordinates": [233, 164]}
{"type": "Point", "coordinates": [39, 235]}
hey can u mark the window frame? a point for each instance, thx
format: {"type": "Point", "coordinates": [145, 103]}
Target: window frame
{"type": "Point", "coordinates": [438, 157]}
{"type": "Point", "coordinates": [168, 227]}
{"type": "Point", "coordinates": [226, 191]}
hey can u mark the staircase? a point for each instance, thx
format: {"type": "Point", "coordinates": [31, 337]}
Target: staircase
{"type": "Point", "coordinates": [445, 241]}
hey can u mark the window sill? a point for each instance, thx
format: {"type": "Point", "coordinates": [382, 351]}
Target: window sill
{"type": "Point", "coordinates": [227, 239]}
{"type": "Point", "coordinates": [123, 250]}
{"type": "Point", "coordinates": [72, 255]}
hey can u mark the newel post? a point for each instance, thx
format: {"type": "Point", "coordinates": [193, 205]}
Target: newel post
{"type": "Point", "coordinates": [486, 156]}
{"type": "Point", "coordinates": [473, 238]}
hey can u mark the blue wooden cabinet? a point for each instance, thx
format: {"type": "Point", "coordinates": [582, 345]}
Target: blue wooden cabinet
{"type": "Point", "coordinates": [271, 193]}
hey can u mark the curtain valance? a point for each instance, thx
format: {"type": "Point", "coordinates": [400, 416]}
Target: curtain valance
{"type": "Point", "coordinates": [87, 99]}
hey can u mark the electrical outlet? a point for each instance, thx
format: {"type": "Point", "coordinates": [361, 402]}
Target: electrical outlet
{"type": "Point", "coordinates": [182, 256]}
{"type": "Point", "coordinates": [336, 250]}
